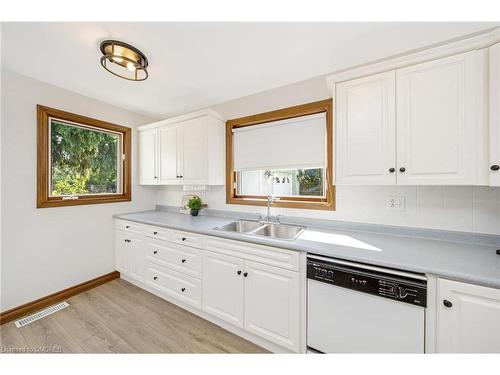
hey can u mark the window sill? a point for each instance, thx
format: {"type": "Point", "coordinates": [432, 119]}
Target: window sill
{"type": "Point", "coordinates": [315, 205]}
{"type": "Point", "coordinates": [82, 200]}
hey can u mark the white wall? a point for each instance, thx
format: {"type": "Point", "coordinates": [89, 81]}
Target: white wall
{"type": "Point", "coordinates": [49, 249]}
{"type": "Point", "coordinates": [474, 209]}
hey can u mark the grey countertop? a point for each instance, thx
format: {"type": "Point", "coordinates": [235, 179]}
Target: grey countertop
{"type": "Point", "coordinates": [459, 257]}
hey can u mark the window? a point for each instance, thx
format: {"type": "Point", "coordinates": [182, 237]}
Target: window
{"type": "Point", "coordinates": [285, 153]}
{"type": "Point", "coordinates": [81, 160]}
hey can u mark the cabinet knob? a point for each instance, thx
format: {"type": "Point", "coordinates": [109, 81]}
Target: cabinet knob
{"type": "Point", "coordinates": [181, 176]}
{"type": "Point", "coordinates": [239, 272]}
{"type": "Point", "coordinates": [128, 240]}
{"type": "Point", "coordinates": [156, 176]}
{"type": "Point", "coordinates": [447, 303]}
{"type": "Point", "coordinates": [155, 278]}
{"type": "Point", "coordinates": [155, 233]}
{"type": "Point", "coordinates": [245, 274]}
{"type": "Point", "coordinates": [127, 226]}
{"type": "Point", "coordinates": [183, 289]}
{"type": "Point", "coordinates": [183, 261]}
{"type": "Point", "coordinates": [155, 252]}
{"type": "Point", "coordinates": [183, 238]}
{"type": "Point", "coordinates": [402, 169]}
{"type": "Point", "coordinates": [495, 167]}
{"type": "Point", "coordinates": [392, 170]}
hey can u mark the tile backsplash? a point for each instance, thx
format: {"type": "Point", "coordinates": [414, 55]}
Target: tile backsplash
{"type": "Point", "coordinates": [459, 208]}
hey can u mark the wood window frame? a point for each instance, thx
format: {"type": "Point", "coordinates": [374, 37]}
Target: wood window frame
{"type": "Point", "coordinates": [43, 168]}
{"type": "Point", "coordinates": [314, 203]}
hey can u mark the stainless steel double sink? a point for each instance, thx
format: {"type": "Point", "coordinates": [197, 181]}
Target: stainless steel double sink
{"type": "Point", "coordinates": [264, 229]}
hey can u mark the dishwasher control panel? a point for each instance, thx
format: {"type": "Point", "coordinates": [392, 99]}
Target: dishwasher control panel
{"type": "Point", "coordinates": [383, 284]}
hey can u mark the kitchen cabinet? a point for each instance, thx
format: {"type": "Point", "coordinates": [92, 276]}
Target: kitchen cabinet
{"type": "Point", "coordinates": [168, 162]}
{"type": "Point", "coordinates": [440, 121]}
{"type": "Point", "coordinates": [366, 130]}
{"type": "Point", "coordinates": [185, 150]}
{"type": "Point", "coordinates": [147, 159]}
{"type": "Point", "coordinates": [252, 288]}
{"type": "Point", "coordinates": [272, 304]}
{"type": "Point", "coordinates": [422, 124]}
{"type": "Point", "coordinates": [122, 250]}
{"type": "Point", "coordinates": [223, 283]}
{"type": "Point", "coordinates": [129, 255]}
{"type": "Point", "coordinates": [468, 318]}
{"type": "Point", "coordinates": [494, 106]}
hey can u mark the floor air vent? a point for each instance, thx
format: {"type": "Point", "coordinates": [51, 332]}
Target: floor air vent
{"type": "Point", "coordinates": [41, 314]}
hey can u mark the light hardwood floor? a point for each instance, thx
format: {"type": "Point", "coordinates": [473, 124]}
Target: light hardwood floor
{"type": "Point", "coordinates": [119, 317]}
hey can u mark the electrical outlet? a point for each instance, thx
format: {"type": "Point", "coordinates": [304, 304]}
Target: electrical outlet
{"type": "Point", "coordinates": [395, 203]}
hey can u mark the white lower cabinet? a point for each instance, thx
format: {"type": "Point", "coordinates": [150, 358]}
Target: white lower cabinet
{"type": "Point", "coordinates": [468, 318]}
{"type": "Point", "coordinates": [272, 304]}
{"type": "Point", "coordinates": [254, 288]}
{"type": "Point", "coordinates": [129, 255]}
{"type": "Point", "coordinates": [175, 284]}
{"type": "Point", "coordinates": [223, 284]}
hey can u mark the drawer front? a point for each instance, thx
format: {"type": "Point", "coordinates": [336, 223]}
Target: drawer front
{"type": "Point", "coordinates": [175, 284]}
{"type": "Point", "coordinates": [288, 259]}
{"type": "Point", "coordinates": [180, 258]}
{"type": "Point", "coordinates": [187, 238]}
{"type": "Point", "coordinates": [129, 226]}
{"type": "Point", "coordinates": [158, 233]}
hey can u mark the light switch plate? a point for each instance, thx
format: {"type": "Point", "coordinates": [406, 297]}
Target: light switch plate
{"type": "Point", "coordinates": [396, 203]}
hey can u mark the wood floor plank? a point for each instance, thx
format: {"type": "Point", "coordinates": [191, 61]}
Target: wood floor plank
{"type": "Point", "coordinates": [10, 338]}
{"type": "Point", "coordinates": [119, 317]}
{"type": "Point", "coordinates": [206, 336]}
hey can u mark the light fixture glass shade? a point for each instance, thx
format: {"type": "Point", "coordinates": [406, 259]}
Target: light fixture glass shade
{"type": "Point", "coordinates": [123, 60]}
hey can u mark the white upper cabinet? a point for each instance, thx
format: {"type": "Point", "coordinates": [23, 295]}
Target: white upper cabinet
{"type": "Point", "coordinates": [468, 318]}
{"type": "Point", "coordinates": [193, 159]}
{"type": "Point", "coordinates": [167, 158]}
{"type": "Point", "coordinates": [494, 164]}
{"type": "Point", "coordinates": [422, 124]}
{"type": "Point", "coordinates": [188, 149]}
{"type": "Point", "coordinates": [147, 157]}
{"type": "Point", "coordinates": [366, 130]}
{"type": "Point", "coordinates": [441, 125]}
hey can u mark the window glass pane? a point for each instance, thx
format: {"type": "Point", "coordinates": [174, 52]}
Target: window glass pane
{"type": "Point", "coordinates": [83, 160]}
{"type": "Point", "coordinates": [283, 182]}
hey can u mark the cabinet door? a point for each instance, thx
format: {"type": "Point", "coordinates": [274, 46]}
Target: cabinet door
{"type": "Point", "coordinates": [495, 115]}
{"type": "Point", "coordinates": [168, 155]}
{"type": "Point", "coordinates": [272, 305]}
{"type": "Point", "coordinates": [122, 249]}
{"type": "Point", "coordinates": [194, 152]}
{"type": "Point", "coordinates": [147, 157]}
{"type": "Point", "coordinates": [440, 121]}
{"type": "Point", "coordinates": [366, 131]}
{"type": "Point", "coordinates": [223, 282]}
{"type": "Point", "coordinates": [471, 324]}
{"type": "Point", "coordinates": [136, 258]}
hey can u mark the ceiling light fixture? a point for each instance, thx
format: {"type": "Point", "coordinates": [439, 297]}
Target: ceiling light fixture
{"type": "Point", "coordinates": [123, 55]}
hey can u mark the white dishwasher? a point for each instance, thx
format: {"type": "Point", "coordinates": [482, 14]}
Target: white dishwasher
{"type": "Point", "coordinates": [359, 308]}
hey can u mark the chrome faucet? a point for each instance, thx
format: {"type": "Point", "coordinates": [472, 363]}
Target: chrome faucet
{"type": "Point", "coordinates": [269, 201]}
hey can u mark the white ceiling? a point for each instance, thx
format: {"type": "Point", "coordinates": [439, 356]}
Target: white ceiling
{"type": "Point", "coordinates": [195, 65]}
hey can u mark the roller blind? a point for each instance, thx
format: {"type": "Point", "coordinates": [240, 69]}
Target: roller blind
{"type": "Point", "coordinates": [299, 142]}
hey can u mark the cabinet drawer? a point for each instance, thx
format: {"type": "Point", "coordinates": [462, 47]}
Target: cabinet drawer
{"type": "Point", "coordinates": [263, 254]}
{"type": "Point", "coordinates": [175, 284]}
{"type": "Point", "coordinates": [158, 233]}
{"type": "Point", "coordinates": [186, 238]}
{"type": "Point", "coordinates": [129, 226]}
{"type": "Point", "coordinates": [180, 258]}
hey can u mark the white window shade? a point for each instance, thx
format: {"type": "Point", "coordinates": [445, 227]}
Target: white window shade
{"type": "Point", "coordinates": [293, 143]}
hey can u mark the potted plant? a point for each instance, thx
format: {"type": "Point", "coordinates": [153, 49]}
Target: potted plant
{"type": "Point", "coordinates": [195, 204]}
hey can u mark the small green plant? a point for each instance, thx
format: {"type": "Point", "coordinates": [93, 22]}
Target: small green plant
{"type": "Point", "coordinates": [195, 203]}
